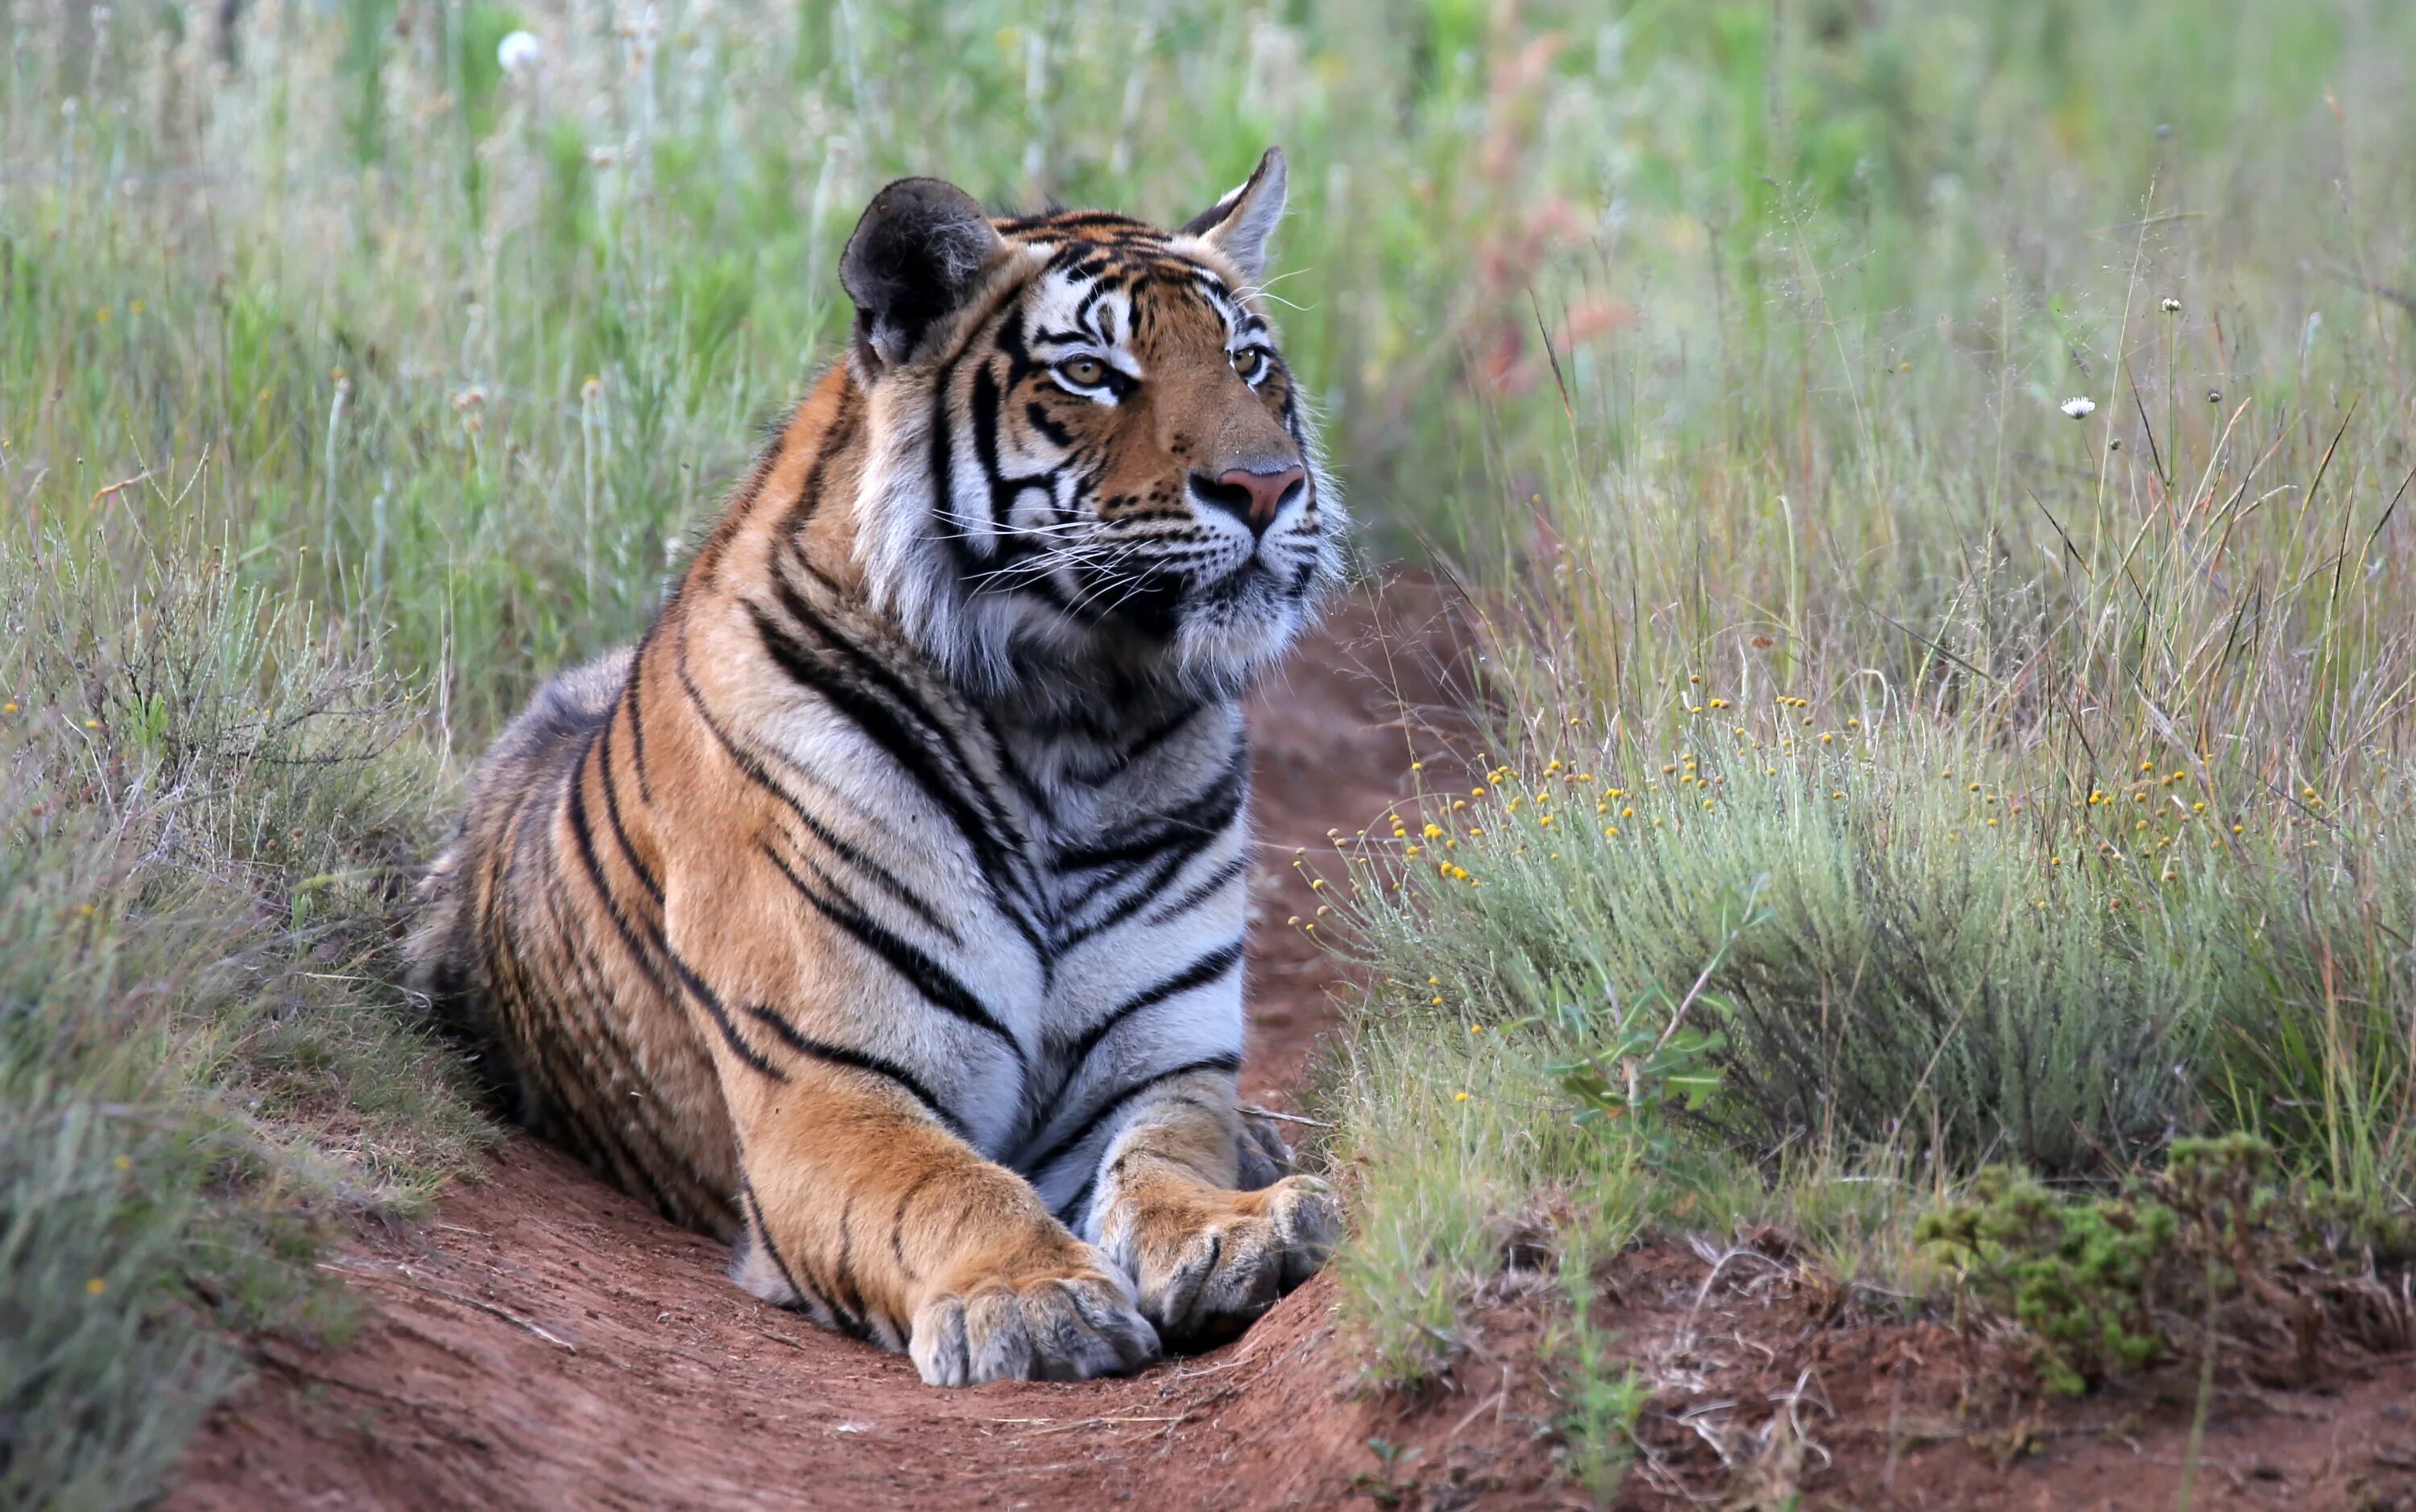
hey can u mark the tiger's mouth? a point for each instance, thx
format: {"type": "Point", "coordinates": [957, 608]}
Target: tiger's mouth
{"type": "Point", "coordinates": [1155, 600]}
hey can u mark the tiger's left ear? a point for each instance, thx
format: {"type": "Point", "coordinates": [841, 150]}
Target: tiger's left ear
{"type": "Point", "coordinates": [1240, 224]}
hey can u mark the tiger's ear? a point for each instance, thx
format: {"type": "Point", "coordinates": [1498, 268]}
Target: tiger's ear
{"type": "Point", "coordinates": [1240, 224]}
{"type": "Point", "coordinates": [915, 256]}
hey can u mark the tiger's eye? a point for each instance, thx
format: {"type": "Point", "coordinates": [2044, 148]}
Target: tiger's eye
{"type": "Point", "coordinates": [1087, 372]}
{"type": "Point", "coordinates": [1250, 362]}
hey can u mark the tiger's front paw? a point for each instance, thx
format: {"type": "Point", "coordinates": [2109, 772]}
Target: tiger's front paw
{"type": "Point", "coordinates": [1206, 1262]}
{"type": "Point", "coordinates": [1064, 1327]}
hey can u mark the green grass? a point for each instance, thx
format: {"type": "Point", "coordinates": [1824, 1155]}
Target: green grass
{"type": "Point", "coordinates": [349, 385]}
{"type": "Point", "coordinates": [203, 809]}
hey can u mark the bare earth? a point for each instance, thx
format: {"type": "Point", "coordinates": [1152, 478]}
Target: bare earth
{"type": "Point", "coordinates": [548, 1342]}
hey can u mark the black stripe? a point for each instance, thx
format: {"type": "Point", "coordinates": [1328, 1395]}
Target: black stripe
{"type": "Point", "coordinates": [1072, 1210]}
{"type": "Point", "coordinates": [835, 436]}
{"type": "Point", "coordinates": [1205, 816]}
{"type": "Point", "coordinates": [1031, 791]}
{"type": "Point", "coordinates": [1163, 871]}
{"type": "Point", "coordinates": [761, 1233]}
{"type": "Point", "coordinates": [1210, 967]}
{"type": "Point", "coordinates": [1226, 1061]}
{"type": "Point", "coordinates": [590, 863]}
{"type": "Point", "coordinates": [936, 984]}
{"type": "Point", "coordinates": [897, 1224]}
{"type": "Point", "coordinates": [843, 1288]}
{"type": "Point", "coordinates": [712, 1006]}
{"type": "Point", "coordinates": [637, 716]}
{"type": "Point", "coordinates": [1157, 736]}
{"type": "Point", "coordinates": [612, 814]}
{"type": "Point", "coordinates": [1200, 891]}
{"type": "Point", "coordinates": [1039, 420]}
{"type": "Point", "coordinates": [753, 770]}
{"type": "Point", "coordinates": [884, 720]}
{"type": "Point", "coordinates": [825, 1298]}
{"type": "Point", "coordinates": [862, 1061]}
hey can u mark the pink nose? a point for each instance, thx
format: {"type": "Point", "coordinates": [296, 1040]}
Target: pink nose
{"type": "Point", "coordinates": [1254, 497]}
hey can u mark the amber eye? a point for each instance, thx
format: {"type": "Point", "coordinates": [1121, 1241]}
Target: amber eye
{"type": "Point", "coordinates": [1083, 372]}
{"type": "Point", "coordinates": [1251, 363]}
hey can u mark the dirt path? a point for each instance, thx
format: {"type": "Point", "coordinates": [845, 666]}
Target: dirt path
{"type": "Point", "coordinates": [548, 1342]}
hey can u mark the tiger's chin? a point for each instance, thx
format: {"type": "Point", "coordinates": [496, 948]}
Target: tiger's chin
{"type": "Point", "coordinates": [1232, 632]}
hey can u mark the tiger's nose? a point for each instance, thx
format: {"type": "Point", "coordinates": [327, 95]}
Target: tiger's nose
{"type": "Point", "coordinates": [1250, 497]}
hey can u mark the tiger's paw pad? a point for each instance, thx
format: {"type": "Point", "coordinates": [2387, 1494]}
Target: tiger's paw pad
{"type": "Point", "coordinates": [1053, 1328]}
{"type": "Point", "coordinates": [1207, 1285]}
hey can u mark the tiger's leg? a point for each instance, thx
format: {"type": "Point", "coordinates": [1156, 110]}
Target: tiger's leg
{"type": "Point", "coordinates": [1206, 1259]}
{"type": "Point", "coordinates": [865, 1211]}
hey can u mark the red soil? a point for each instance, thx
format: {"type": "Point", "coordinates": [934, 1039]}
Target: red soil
{"type": "Point", "coordinates": [545, 1342]}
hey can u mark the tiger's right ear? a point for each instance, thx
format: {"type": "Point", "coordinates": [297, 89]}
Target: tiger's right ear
{"type": "Point", "coordinates": [915, 256]}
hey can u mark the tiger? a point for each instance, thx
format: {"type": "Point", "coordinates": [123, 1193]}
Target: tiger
{"type": "Point", "coordinates": [882, 909]}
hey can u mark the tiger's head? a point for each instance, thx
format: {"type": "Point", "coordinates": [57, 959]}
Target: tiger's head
{"type": "Point", "coordinates": [1088, 457]}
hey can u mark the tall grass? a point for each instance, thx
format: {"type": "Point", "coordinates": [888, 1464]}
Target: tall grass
{"type": "Point", "coordinates": [2065, 747]}
{"type": "Point", "coordinates": [203, 806]}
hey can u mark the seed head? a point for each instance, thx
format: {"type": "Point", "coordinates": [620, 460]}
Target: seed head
{"type": "Point", "coordinates": [519, 53]}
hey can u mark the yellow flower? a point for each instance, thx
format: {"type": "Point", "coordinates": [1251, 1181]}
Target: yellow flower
{"type": "Point", "coordinates": [1459, 1096]}
{"type": "Point", "coordinates": [96, 1285]}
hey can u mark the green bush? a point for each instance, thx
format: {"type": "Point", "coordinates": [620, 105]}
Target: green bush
{"type": "Point", "coordinates": [2219, 1251]}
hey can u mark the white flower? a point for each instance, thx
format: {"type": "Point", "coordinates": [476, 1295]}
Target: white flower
{"type": "Point", "coordinates": [519, 53]}
{"type": "Point", "coordinates": [2172, 306]}
{"type": "Point", "coordinates": [2079, 408]}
